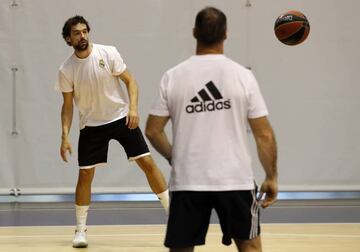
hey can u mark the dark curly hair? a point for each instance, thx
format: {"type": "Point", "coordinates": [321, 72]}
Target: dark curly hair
{"type": "Point", "coordinates": [71, 22]}
{"type": "Point", "coordinates": [210, 26]}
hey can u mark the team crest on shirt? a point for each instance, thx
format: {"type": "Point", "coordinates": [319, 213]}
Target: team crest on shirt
{"type": "Point", "coordinates": [101, 63]}
{"type": "Point", "coordinates": [208, 102]}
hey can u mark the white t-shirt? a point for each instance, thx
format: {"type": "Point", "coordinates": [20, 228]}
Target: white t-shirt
{"type": "Point", "coordinates": [98, 92]}
{"type": "Point", "coordinates": [209, 99]}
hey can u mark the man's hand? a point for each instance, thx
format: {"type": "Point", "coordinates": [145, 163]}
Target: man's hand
{"type": "Point", "coordinates": [65, 146]}
{"type": "Point", "coordinates": [132, 119]}
{"type": "Point", "coordinates": [269, 188]}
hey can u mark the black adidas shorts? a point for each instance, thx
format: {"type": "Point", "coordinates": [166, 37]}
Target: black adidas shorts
{"type": "Point", "coordinates": [94, 143]}
{"type": "Point", "coordinates": [190, 211]}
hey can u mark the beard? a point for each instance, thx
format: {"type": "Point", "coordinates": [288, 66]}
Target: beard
{"type": "Point", "coordinates": [82, 45]}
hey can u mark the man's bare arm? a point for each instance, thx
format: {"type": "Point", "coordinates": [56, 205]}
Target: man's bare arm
{"type": "Point", "coordinates": [155, 126]}
{"type": "Point", "coordinates": [267, 152]}
{"type": "Point", "coordinates": [66, 120]}
{"type": "Point", "coordinates": [132, 120]}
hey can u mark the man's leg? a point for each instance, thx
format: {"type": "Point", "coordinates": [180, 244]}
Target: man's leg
{"type": "Point", "coordinates": [253, 245]}
{"type": "Point", "coordinates": [189, 249]}
{"type": "Point", "coordinates": [155, 179]}
{"type": "Point", "coordinates": [153, 174]}
{"type": "Point", "coordinates": [82, 202]}
{"type": "Point", "coordinates": [83, 187]}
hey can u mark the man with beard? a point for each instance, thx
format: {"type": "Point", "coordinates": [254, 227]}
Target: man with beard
{"type": "Point", "coordinates": [91, 77]}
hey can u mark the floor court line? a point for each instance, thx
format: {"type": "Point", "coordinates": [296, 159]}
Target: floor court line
{"type": "Point", "coordinates": [161, 225]}
{"type": "Point", "coordinates": [162, 234]}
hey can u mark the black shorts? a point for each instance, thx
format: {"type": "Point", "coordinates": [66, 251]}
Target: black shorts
{"type": "Point", "coordinates": [94, 142]}
{"type": "Point", "coordinates": [190, 211]}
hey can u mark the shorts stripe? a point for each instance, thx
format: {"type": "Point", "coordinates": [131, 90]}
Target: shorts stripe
{"type": "Point", "coordinates": [255, 217]}
{"type": "Point", "coordinates": [91, 166]}
{"type": "Point", "coordinates": [139, 156]}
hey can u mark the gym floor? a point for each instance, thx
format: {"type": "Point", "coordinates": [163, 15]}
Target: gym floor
{"type": "Point", "coordinates": [132, 209]}
{"type": "Point", "coordinates": [299, 221]}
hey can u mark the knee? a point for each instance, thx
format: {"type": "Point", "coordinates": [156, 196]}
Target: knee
{"type": "Point", "coordinates": [86, 176]}
{"type": "Point", "coordinates": [253, 245]}
{"type": "Point", "coordinates": [146, 164]}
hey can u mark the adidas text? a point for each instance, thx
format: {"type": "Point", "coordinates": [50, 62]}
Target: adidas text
{"type": "Point", "coordinates": [208, 106]}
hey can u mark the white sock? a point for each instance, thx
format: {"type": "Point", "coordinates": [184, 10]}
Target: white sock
{"type": "Point", "coordinates": [164, 200]}
{"type": "Point", "coordinates": [81, 216]}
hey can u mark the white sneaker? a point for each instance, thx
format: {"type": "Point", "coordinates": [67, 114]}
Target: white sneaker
{"type": "Point", "coordinates": [80, 240]}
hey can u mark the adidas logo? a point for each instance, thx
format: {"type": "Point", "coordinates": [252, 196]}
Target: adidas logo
{"type": "Point", "coordinates": [207, 103]}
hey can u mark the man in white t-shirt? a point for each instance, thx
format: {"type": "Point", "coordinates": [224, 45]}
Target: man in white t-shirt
{"type": "Point", "coordinates": [91, 77]}
{"type": "Point", "coordinates": [210, 100]}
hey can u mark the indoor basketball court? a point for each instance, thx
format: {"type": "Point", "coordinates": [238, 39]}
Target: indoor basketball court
{"type": "Point", "coordinates": [305, 57]}
{"type": "Point", "coordinates": [276, 237]}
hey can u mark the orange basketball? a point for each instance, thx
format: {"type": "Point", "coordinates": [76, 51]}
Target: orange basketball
{"type": "Point", "coordinates": [292, 28]}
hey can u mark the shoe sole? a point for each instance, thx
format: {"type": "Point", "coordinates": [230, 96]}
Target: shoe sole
{"type": "Point", "coordinates": [80, 246]}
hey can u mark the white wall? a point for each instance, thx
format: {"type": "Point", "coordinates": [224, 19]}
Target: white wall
{"type": "Point", "coordinates": [311, 90]}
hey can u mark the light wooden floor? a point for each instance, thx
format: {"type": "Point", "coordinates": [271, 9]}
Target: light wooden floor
{"type": "Point", "coordinates": [276, 238]}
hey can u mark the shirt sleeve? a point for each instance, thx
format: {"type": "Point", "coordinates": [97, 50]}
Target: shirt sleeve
{"type": "Point", "coordinates": [118, 65]}
{"type": "Point", "coordinates": [161, 104]}
{"type": "Point", "coordinates": [257, 107]}
{"type": "Point", "coordinates": [63, 84]}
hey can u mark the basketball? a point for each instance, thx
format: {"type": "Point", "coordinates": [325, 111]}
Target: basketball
{"type": "Point", "coordinates": [292, 28]}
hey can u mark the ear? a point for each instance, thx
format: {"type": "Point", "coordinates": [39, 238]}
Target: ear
{"type": "Point", "coordinates": [68, 39]}
{"type": "Point", "coordinates": [194, 33]}
{"type": "Point", "coordinates": [226, 35]}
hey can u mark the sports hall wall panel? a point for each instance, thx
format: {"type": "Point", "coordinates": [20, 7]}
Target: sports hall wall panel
{"type": "Point", "coordinates": [311, 90]}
